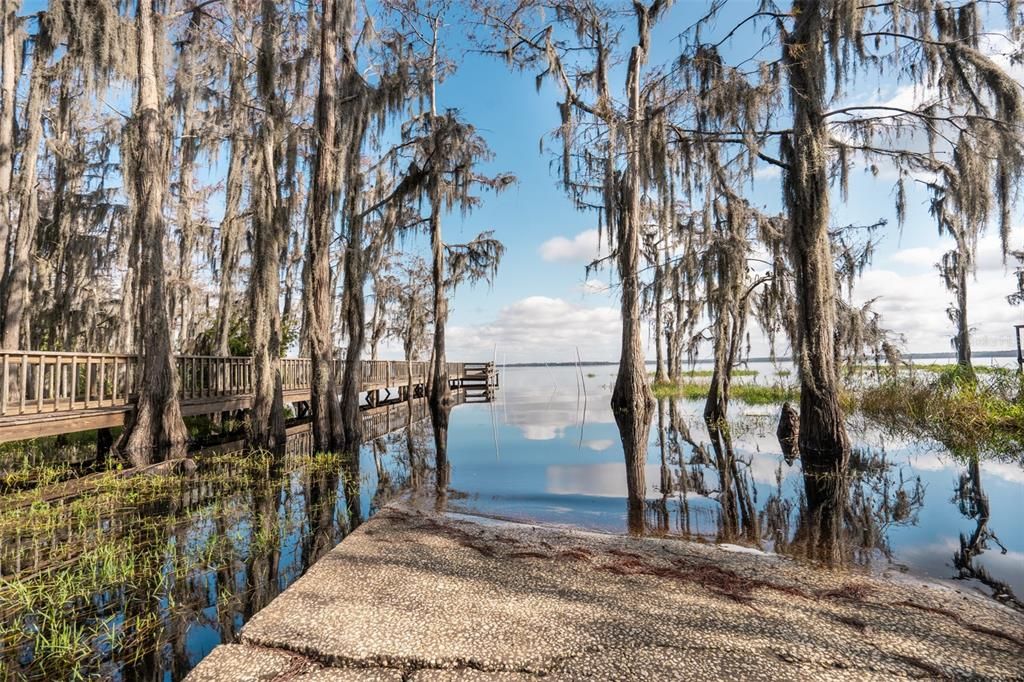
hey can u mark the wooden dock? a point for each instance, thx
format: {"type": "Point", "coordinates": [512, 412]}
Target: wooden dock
{"type": "Point", "coordinates": [50, 393]}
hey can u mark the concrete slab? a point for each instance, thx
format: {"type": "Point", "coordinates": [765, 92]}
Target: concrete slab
{"type": "Point", "coordinates": [247, 663]}
{"type": "Point", "coordinates": [434, 597]}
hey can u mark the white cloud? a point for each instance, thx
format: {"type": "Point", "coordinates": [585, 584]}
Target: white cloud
{"type": "Point", "coordinates": [914, 305]}
{"type": "Point", "coordinates": [583, 248]}
{"type": "Point", "coordinates": [988, 256]}
{"type": "Point", "coordinates": [541, 328]}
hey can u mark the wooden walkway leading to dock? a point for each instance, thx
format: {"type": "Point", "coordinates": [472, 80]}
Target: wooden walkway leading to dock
{"type": "Point", "coordinates": [49, 393]}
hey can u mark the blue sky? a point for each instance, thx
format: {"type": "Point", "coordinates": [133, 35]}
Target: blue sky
{"type": "Point", "coordinates": [541, 308]}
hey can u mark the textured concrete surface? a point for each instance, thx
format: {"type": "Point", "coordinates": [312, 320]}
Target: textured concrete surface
{"type": "Point", "coordinates": [419, 596]}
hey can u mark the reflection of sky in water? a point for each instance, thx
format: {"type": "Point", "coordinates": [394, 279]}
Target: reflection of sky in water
{"type": "Point", "coordinates": [531, 455]}
{"type": "Point", "coordinates": [546, 451]}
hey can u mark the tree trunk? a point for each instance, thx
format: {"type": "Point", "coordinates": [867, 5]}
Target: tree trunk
{"type": "Point", "coordinates": [231, 226]}
{"type": "Point", "coordinates": [354, 306]}
{"type": "Point", "coordinates": [270, 222]}
{"type": "Point", "coordinates": [188, 150]}
{"type": "Point", "coordinates": [10, 68]}
{"type": "Point", "coordinates": [632, 401]}
{"type": "Point", "coordinates": [28, 215]}
{"type": "Point", "coordinates": [267, 428]}
{"type": "Point", "coordinates": [824, 444]}
{"type": "Point", "coordinates": [675, 344]}
{"type": "Point", "coordinates": [963, 329]}
{"type": "Point", "coordinates": [156, 425]}
{"type": "Point", "coordinates": [660, 375]}
{"type": "Point", "coordinates": [324, 405]}
{"type": "Point", "coordinates": [66, 183]}
{"type": "Point", "coordinates": [440, 391]}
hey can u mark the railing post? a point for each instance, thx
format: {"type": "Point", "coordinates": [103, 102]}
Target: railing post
{"type": "Point", "coordinates": [74, 382]}
{"type": "Point", "coordinates": [3, 405]}
{"type": "Point", "coordinates": [57, 376]}
{"type": "Point", "coordinates": [88, 379]}
{"type": "Point", "coordinates": [41, 372]}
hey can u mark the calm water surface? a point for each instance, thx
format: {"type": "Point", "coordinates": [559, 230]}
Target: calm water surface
{"type": "Point", "coordinates": [158, 573]}
{"type": "Point", "coordinates": [545, 452]}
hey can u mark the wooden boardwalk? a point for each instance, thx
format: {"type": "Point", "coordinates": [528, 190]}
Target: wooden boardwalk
{"type": "Point", "coordinates": [49, 393]}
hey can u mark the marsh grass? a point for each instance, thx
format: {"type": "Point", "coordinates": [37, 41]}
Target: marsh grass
{"type": "Point", "coordinates": [44, 461]}
{"type": "Point", "coordinates": [968, 415]}
{"type": "Point", "coordinates": [96, 573]}
{"type": "Point", "coordinates": [749, 393]}
{"type": "Point", "coordinates": [930, 368]}
{"type": "Point", "coordinates": [695, 373]}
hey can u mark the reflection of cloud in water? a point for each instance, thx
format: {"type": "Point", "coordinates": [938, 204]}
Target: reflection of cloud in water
{"type": "Point", "coordinates": [605, 479]}
{"type": "Point", "coordinates": [544, 404]}
{"type": "Point", "coordinates": [1008, 471]}
{"type": "Point", "coordinates": [598, 445]}
{"type": "Point", "coordinates": [542, 431]}
{"type": "Point", "coordinates": [936, 558]}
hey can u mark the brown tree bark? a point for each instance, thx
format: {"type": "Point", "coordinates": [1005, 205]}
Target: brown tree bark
{"type": "Point", "coordinates": [188, 150]}
{"type": "Point", "coordinates": [324, 404]}
{"type": "Point", "coordinates": [270, 220]}
{"type": "Point", "coordinates": [10, 68]}
{"type": "Point", "coordinates": [440, 389]}
{"type": "Point", "coordinates": [660, 375]}
{"type": "Point", "coordinates": [354, 311]}
{"type": "Point", "coordinates": [962, 340]}
{"type": "Point", "coordinates": [231, 225]}
{"type": "Point", "coordinates": [632, 401]}
{"type": "Point", "coordinates": [156, 426]}
{"type": "Point", "coordinates": [28, 214]}
{"type": "Point", "coordinates": [824, 444]}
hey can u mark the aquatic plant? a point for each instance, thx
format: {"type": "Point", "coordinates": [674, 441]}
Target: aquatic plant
{"type": "Point", "coordinates": [965, 412]}
{"type": "Point", "coordinates": [744, 392]}
{"type": "Point", "coordinates": [98, 569]}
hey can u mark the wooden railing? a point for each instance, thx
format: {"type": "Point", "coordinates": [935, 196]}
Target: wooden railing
{"type": "Point", "coordinates": [34, 382]}
{"type": "Point", "coordinates": [207, 376]}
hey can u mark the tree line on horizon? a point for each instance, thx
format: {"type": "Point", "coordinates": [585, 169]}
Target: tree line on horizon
{"type": "Point", "coordinates": [319, 126]}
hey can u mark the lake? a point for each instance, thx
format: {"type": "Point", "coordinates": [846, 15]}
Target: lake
{"type": "Point", "coordinates": [139, 579]}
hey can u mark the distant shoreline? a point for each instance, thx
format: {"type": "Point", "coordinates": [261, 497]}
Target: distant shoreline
{"type": "Point", "coordinates": [708, 361]}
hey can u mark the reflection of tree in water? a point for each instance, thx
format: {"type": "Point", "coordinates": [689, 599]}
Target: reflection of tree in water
{"type": "Point", "coordinates": [973, 503]}
{"type": "Point", "coordinates": [879, 497]}
{"type": "Point", "coordinates": [263, 560]}
{"type": "Point", "coordinates": [442, 468]}
{"type": "Point", "coordinates": [738, 516]}
{"type": "Point", "coordinates": [204, 551]}
{"type": "Point", "coordinates": [403, 450]}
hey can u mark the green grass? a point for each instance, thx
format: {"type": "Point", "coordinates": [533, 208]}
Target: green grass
{"type": "Point", "coordinates": [133, 541]}
{"type": "Point", "coordinates": [748, 393]}
{"type": "Point", "coordinates": [968, 416]}
{"type": "Point", "coordinates": [694, 373]}
{"type": "Point", "coordinates": [932, 368]}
